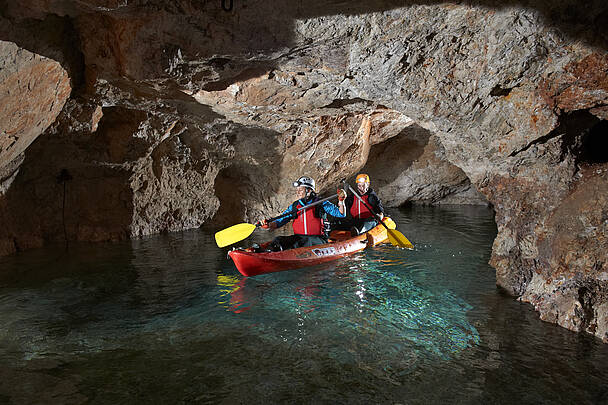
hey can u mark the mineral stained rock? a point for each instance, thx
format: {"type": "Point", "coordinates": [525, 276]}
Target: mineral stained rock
{"type": "Point", "coordinates": [126, 118]}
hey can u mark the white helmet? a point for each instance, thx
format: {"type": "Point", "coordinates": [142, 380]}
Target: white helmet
{"type": "Point", "coordinates": [305, 181]}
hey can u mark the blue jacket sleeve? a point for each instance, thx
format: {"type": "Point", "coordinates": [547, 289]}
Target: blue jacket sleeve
{"type": "Point", "coordinates": [282, 221]}
{"type": "Point", "coordinates": [332, 210]}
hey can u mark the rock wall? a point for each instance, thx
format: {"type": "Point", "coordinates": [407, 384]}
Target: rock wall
{"type": "Point", "coordinates": [33, 90]}
{"type": "Point", "coordinates": [181, 112]}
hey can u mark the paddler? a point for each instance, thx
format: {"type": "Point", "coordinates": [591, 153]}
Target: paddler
{"type": "Point", "coordinates": [308, 225]}
{"type": "Point", "coordinates": [359, 219]}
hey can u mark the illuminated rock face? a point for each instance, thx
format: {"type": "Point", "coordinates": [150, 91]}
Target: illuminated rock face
{"type": "Point", "coordinates": [33, 90]}
{"type": "Point", "coordinates": [182, 113]}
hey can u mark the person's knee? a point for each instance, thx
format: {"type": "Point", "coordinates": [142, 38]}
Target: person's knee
{"type": "Point", "coordinates": [277, 245]}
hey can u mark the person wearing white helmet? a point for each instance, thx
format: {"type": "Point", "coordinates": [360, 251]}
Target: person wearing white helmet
{"type": "Point", "coordinates": [359, 218]}
{"type": "Point", "coordinates": [308, 225]}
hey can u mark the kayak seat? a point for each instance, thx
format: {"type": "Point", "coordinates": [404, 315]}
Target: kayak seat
{"type": "Point", "coordinates": [264, 248]}
{"type": "Point", "coordinates": [338, 235]}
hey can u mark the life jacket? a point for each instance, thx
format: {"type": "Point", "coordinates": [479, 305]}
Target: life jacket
{"type": "Point", "coordinates": [307, 222]}
{"type": "Point", "coordinates": [359, 210]}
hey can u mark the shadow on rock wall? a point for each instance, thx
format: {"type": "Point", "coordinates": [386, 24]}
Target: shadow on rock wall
{"type": "Point", "coordinates": [412, 166]}
{"type": "Point", "coordinates": [53, 37]}
{"type": "Point", "coordinates": [58, 195]}
{"type": "Point", "coordinates": [389, 159]}
{"type": "Point", "coordinates": [247, 188]}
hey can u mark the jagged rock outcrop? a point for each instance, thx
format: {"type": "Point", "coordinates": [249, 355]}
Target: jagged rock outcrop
{"type": "Point", "coordinates": [183, 111]}
{"type": "Point", "coordinates": [33, 92]}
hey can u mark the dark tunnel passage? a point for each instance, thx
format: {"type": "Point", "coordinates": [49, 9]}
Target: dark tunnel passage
{"type": "Point", "coordinates": [595, 144]}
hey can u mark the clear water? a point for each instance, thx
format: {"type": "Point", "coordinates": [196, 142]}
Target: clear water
{"type": "Point", "coordinates": [169, 320]}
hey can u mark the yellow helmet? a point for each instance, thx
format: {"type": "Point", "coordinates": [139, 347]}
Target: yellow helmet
{"type": "Point", "coordinates": [362, 178]}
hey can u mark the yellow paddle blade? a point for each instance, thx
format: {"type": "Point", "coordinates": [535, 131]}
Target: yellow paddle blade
{"type": "Point", "coordinates": [398, 239]}
{"type": "Point", "coordinates": [233, 234]}
{"type": "Point", "coordinates": [390, 223]}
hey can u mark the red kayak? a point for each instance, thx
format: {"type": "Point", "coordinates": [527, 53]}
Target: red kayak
{"type": "Point", "coordinates": [250, 263]}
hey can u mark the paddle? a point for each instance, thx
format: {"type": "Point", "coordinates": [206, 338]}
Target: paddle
{"type": "Point", "coordinates": [238, 232]}
{"type": "Point", "coordinates": [394, 236]}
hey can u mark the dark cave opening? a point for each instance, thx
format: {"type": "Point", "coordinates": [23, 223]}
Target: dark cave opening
{"type": "Point", "coordinates": [584, 136]}
{"type": "Point", "coordinates": [594, 147]}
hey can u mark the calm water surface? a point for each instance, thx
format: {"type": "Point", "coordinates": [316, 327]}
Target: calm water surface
{"type": "Point", "coordinates": [169, 320]}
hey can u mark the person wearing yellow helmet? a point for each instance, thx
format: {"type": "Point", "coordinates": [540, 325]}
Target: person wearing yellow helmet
{"type": "Point", "coordinates": [359, 218]}
{"type": "Point", "coordinates": [308, 225]}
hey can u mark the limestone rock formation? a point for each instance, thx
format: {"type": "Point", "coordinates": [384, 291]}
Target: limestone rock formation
{"type": "Point", "coordinates": [33, 90]}
{"type": "Point", "coordinates": [185, 111]}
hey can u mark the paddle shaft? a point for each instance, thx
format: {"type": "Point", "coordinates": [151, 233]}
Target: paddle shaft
{"type": "Point", "coordinates": [368, 207]}
{"type": "Point", "coordinates": [302, 208]}
{"type": "Point", "coordinates": [394, 236]}
{"type": "Point", "coordinates": [239, 232]}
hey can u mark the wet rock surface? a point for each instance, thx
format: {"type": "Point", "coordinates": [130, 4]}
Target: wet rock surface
{"type": "Point", "coordinates": [168, 115]}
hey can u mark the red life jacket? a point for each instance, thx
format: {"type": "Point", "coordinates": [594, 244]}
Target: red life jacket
{"type": "Point", "coordinates": [307, 223]}
{"type": "Point", "coordinates": [359, 210]}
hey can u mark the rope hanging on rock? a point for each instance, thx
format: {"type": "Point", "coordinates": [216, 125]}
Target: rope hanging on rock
{"type": "Point", "coordinates": [63, 178]}
{"type": "Point", "coordinates": [227, 5]}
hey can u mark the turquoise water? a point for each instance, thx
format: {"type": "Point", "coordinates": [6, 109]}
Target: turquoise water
{"type": "Point", "coordinates": [168, 319]}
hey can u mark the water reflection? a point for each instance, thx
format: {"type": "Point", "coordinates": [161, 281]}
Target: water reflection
{"type": "Point", "coordinates": [172, 270]}
{"type": "Point", "coordinates": [354, 297]}
{"type": "Point", "coordinates": [233, 288]}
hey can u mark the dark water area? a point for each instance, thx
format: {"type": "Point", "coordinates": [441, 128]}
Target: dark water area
{"type": "Point", "coordinates": [169, 320]}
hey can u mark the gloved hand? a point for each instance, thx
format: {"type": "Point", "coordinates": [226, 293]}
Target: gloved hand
{"type": "Point", "coordinates": [341, 194]}
{"type": "Point", "coordinates": [264, 224]}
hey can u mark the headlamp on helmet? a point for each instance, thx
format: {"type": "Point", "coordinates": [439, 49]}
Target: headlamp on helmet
{"type": "Point", "coordinates": [362, 178]}
{"type": "Point", "coordinates": [305, 181]}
